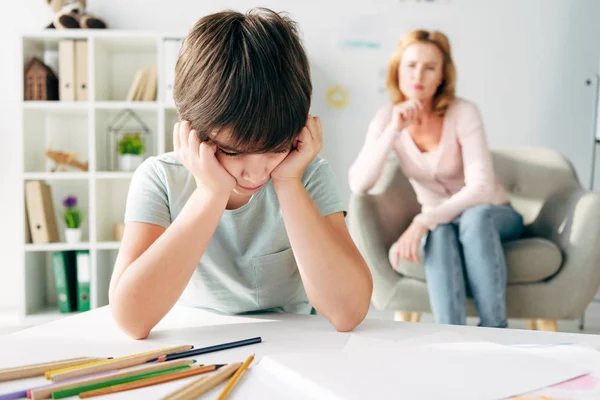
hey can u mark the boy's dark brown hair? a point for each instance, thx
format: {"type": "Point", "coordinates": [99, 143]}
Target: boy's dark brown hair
{"type": "Point", "coordinates": [247, 73]}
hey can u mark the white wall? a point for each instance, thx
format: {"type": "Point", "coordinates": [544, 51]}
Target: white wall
{"type": "Point", "coordinates": [524, 63]}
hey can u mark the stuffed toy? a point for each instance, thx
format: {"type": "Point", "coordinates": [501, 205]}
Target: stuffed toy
{"type": "Point", "coordinates": [71, 14]}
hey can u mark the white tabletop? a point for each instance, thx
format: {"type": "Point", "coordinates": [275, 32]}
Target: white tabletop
{"type": "Point", "coordinates": [95, 334]}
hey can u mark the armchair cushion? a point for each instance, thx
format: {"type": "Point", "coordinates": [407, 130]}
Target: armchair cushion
{"type": "Point", "coordinates": [529, 260]}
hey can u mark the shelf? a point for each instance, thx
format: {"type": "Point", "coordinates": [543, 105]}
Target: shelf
{"type": "Point", "coordinates": [44, 316]}
{"type": "Point", "coordinates": [108, 245]}
{"type": "Point", "coordinates": [120, 105]}
{"type": "Point", "coordinates": [60, 246]}
{"type": "Point", "coordinates": [114, 175]}
{"type": "Point", "coordinates": [95, 33]}
{"type": "Point", "coordinates": [56, 105]}
{"type": "Point", "coordinates": [85, 129]}
{"type": "Point", "coordinates": [56, 176]}
{"type": "Point", "coordinates": [84, 105]}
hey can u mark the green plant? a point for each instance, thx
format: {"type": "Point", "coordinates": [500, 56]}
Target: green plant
{"type": "Point", "coordinates": [131, 143]}
{"type": "Point", "coordinates": [72, 212]}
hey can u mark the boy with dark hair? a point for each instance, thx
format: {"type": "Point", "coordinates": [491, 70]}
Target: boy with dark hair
{"type": "Point", "coordinates": [243, 216]}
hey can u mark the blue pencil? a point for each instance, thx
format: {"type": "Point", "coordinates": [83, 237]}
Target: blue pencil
{"type": "Point", "coordinates": [209, 349]}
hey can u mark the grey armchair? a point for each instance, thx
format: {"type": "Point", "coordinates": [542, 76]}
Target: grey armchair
{"type": "Point", "coordinates": [553, 271]}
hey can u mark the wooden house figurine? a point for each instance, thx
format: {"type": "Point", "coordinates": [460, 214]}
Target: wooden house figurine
{"type": "Point", "coordinates": [40, 82]}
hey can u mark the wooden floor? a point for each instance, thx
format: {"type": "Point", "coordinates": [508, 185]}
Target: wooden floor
{"type": "Point", "coordinates": [591, 325]}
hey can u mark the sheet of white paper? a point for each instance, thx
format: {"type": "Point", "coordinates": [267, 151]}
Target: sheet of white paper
{"type": "Point", "coordinates": [358, 343]}
{"type": "Point", "coordinates": [472, 370]}
{"type": "Point", "coordinates": [582, 388]}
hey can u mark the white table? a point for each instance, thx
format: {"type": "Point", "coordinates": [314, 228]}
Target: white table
{"type": "Point", "coordinates": [95, 334]}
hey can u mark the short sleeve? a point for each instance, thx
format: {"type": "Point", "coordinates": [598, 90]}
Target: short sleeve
{"type": "Point", "coordinates": [147, 199]}
{"type": "Point", "coordinates": [321, 185]}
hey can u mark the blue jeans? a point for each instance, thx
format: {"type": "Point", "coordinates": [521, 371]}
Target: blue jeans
{"type": "Point", "coordinates": [465, 257]}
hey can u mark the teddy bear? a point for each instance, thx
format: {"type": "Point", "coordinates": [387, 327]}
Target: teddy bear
{"type": "Point", "coordinates": [71, 14]}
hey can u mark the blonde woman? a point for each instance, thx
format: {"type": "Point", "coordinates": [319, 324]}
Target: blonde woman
{"type": "Point", "coordinates": [440, 143]}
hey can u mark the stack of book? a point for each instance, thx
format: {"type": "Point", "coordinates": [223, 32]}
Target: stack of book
{"type": "Point", "coordinates": [144, 85]}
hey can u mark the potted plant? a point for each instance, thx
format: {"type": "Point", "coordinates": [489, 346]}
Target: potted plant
{"type": "Point", "coordinates": [72, 218]}
{"type": "Point", "coordinates": [131, 151]}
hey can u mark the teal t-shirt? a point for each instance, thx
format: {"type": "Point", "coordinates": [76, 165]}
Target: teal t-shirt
{"type": "Point", "coordinates": [248, 265]}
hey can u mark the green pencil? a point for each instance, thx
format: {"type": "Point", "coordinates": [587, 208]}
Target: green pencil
{"type": "Point", "coordinates": [61, 394]}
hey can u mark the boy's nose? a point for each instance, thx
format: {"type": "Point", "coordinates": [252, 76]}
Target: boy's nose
{"type": "Point", "coordinates": [256, 171]}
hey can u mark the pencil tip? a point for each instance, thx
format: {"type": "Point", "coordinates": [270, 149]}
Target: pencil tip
{"type": "Point", "coordinates": [217, 366]}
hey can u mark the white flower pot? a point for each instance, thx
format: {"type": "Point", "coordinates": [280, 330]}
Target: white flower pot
{"type": "Point", "coordinates": [73, 235]}
{"type": "Point", "coordinates": [130, 162]}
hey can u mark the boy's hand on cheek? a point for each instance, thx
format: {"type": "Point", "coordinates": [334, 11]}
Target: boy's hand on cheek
{"type": "Point", "coordinates": [199, 158]}
{"type": "Point", "coordinates": [308, 144]}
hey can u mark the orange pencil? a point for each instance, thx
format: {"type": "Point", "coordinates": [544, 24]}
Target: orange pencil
{"type": "Point", "coordinates": [194, 370]}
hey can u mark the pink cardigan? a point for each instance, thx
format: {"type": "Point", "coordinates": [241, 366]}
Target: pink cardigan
{"type": "Point", "coordinates": [456, 176]}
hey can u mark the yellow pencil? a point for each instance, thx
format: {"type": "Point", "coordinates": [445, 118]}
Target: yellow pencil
{"type": "Point", "coordinates": [55, 371]}
{"type": "Point", "coordinates": [28, 371]}
{"type": "Point", "coordinates": [235, 378]}
{"type": "Point", "coordinates": [166, 350]}
{"type": "Point", "coordinates": [200, 386]}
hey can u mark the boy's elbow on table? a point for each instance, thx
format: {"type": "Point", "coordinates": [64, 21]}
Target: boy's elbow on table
{"type": "Point", "coordinates": [353, 315]}
{"type": "Point", "coordinates": [132, 328]}
{"type": "Point", "coordinates": [349, 320]}
{"type": "Point", "coordinates": [126, 321]}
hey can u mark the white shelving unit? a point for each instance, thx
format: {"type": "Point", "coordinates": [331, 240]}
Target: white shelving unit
{"type": "Point", "coordinates": [81, 126]}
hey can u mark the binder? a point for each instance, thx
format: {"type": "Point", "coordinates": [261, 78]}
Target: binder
{"type": "Point", "coordinates": [83, 280]}
{"type": "Point", "coordinates": [81, 70]}
{"type": "Point", "coordinates": [40, 211]}
{"type": "Point", "coordinates": [65, 280]}
{"type": "Point", "coordinates": [66, 70]}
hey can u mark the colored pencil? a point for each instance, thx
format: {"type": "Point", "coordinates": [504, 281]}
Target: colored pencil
{"type": "Point", "coordinates": [74, 391]}
{"type": "Point", "coordinates": [45, 391]}
{"type": "Point", "coordinates": [235, 378]}
{"type": "Point", "coordinates": [117, 363]}
{"type": "Point", "coordinates": [209, 349]}
{"type": "Point", "coordinates": [24, 392]}
{"type": "Point", "coordinates": [204, 384]}
{"type": "Point", "coordinates": [14, 395]}
{"type": "Point", "coordinates": [29, 371]}
{"type": "Point", "coordinates": [151, 381]}
{"type": "Point", "coordinates": [166, 350]}
{"type": "Point", "coordinates": [53, 371]}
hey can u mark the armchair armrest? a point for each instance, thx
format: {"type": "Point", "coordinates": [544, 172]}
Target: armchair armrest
{"type": "Point", "coordinates": [376, 220]}
{"type": "Point", "coordinates": [571, 219]}
{"type": "Point", "coordinates": [369, 234]}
